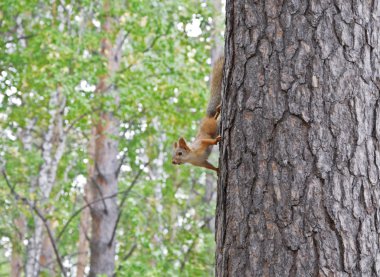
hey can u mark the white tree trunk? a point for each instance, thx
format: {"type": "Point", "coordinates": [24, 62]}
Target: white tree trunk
{"type": "Point", "coordinates": [52, 151]}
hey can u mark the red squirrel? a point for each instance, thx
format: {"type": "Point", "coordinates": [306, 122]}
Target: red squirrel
{"type": "Point", "coordinates": [197, 152]}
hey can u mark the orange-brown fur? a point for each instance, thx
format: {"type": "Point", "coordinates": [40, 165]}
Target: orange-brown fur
{"type": "Point", "coordinates": [199, 150]}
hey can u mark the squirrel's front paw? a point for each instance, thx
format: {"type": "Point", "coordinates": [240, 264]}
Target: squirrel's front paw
{"type": "Point", "coordinates": [218, 138]}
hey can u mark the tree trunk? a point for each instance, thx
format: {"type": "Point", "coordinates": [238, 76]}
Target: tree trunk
{"type": "Point", "coordinates": [299, 190]}
{"type": "Point", "coordinates": [16, 259]}
{"type": "Point", "coordinates": [104, 180]}
{"type": "Point", "coordinates": [85, 217]}
{"type": "Point", "coordinates": [83, 246]}
{"type": "Point", "coordinates": [84, 226]}
{"type": "Point", "coordinates": [52, 150]}
{"type": "Point", "coordinates": [47, 258]}
{"type": "Point", "coordinates": [104, 183]}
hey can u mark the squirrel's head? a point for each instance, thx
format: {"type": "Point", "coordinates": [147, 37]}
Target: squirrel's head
{"type": "Point", "coordinates": [180, 152]}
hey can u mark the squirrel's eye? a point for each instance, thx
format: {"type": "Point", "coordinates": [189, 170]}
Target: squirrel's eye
{"type": "Point", "coordinates": [179, 153]}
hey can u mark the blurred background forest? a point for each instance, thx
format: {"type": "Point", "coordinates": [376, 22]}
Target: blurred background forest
{"type": "Point", "coordinates": [53, 65]}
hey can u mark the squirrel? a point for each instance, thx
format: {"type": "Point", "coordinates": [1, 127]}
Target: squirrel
{"type": "Point", "coordinates": [197, 152]}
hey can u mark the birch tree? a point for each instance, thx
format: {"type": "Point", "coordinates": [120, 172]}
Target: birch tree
{"type": "Point", "coordinates": [53, 146]}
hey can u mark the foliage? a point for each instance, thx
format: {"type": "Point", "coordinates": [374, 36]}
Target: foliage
{"type": "Point", "coordinates": [50, 45]}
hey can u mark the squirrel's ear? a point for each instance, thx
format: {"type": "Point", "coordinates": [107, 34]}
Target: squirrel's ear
{"type": "Point", "coordinates": [182, 144]}
{"type": "Point", "coordinates": [175, 145]}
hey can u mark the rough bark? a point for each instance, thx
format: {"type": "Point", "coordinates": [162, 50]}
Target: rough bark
{"type": "Point", "coordinates": [298, 192]}
{"type": "Point", "coordinates": [104, 180]}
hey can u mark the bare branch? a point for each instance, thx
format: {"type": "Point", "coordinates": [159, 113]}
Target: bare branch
{"type": "Point", "coordinates": [98, 171]}
{"type": "Point", "coordinates": [101, 194]}
{"type": "Point", "coordinates": [120, 164]}
{"type": "Point", "coordinates": [149, 47]}
{"type": "Point", "coordinates": [18, 38]}
{"type": "Point", "coordinates": [120, 41]}
{"type": "Point", "coordinates": [128, 255]}
{"type": "Point", "coordinates": [75, 121]}
{"type": "Point", "coordinates": [79, 118]}
{"type": "Point", "coordinates": [130, 252]}
{"type": "Point", "coordinates": [76, 213]}
{"type": "Point", "coordinates": [40, 215]}
{"type": "Point", "coordinates": [125, 195]}
{"type": "Point", "coordinates": [188, 252]}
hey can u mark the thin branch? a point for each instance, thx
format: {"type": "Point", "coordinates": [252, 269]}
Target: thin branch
{"type": "Point", "coordinates": [188, 252]}
{"type": "Point", "coordinates": [121, 43]}
{"type": "Point", "coordinates": [127, 256]}
{"type": "Point", "coordinates": [156, 39]}
{"type": "Point", "coordinates": [74, 215]}
{"type": "Point", "coordinates": [85, 230]}
{"type": "Point", "coordinates": [98, 170]}
{"type": "Point", "coordinates": [40, 215]}
{"type": "Point", "coordinates": [149, 47]}
{"type": "Point", "coordinates": [125, 195]}
{"type": "Point", "coordinates": [18, 38]}
{"type": "Point", "coordinates": [79, 118]}
{"type": "Point", "coordinates": [75, 121]}
{"type": "Point", "coordinates": [120, 164]}
{"type": "Point", "coordinates": [152, 43]}
{"type": "Point", "coordinates": [130, 252]}
{"type": "Point", "coordinates": [89, 205]}
{"type": "Point", "coordinates": [101, 194]}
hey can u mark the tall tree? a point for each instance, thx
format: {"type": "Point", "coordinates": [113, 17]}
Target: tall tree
{"type": "Point", "coordinates": [104, 213]}
{"type": "Point", "coordinates": [299, 187]}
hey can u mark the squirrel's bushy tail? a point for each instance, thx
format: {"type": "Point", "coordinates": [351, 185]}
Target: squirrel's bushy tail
{"type": "Point", "coordinates": [215, 87]}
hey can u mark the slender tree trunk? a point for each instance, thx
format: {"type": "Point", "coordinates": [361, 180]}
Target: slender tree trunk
{"type": "Point", "coordinates": [47, 258]}
{"type": "Point", "coordinates": [52, 151]}
{"type": "Point", "coordinates": [299, 187]}
{"type": "Point", "coordinates": [17, 263]}
{"type": "Point", "coordinates": [85, 218]}
{"type": "Point", "coordinates": [16, 259]}
{"type": "Point", "coordinates": [104, 180]}
{"type": "Point", "coordinates": [83, 245]}
{"type": "Point", "coordinates": [84, 225]}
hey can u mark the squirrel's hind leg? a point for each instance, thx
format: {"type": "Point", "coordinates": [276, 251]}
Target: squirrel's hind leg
{"type": "Point", "coordinates": [206, 164]}
{"type": "Point", "coordinates": [217, 111]}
